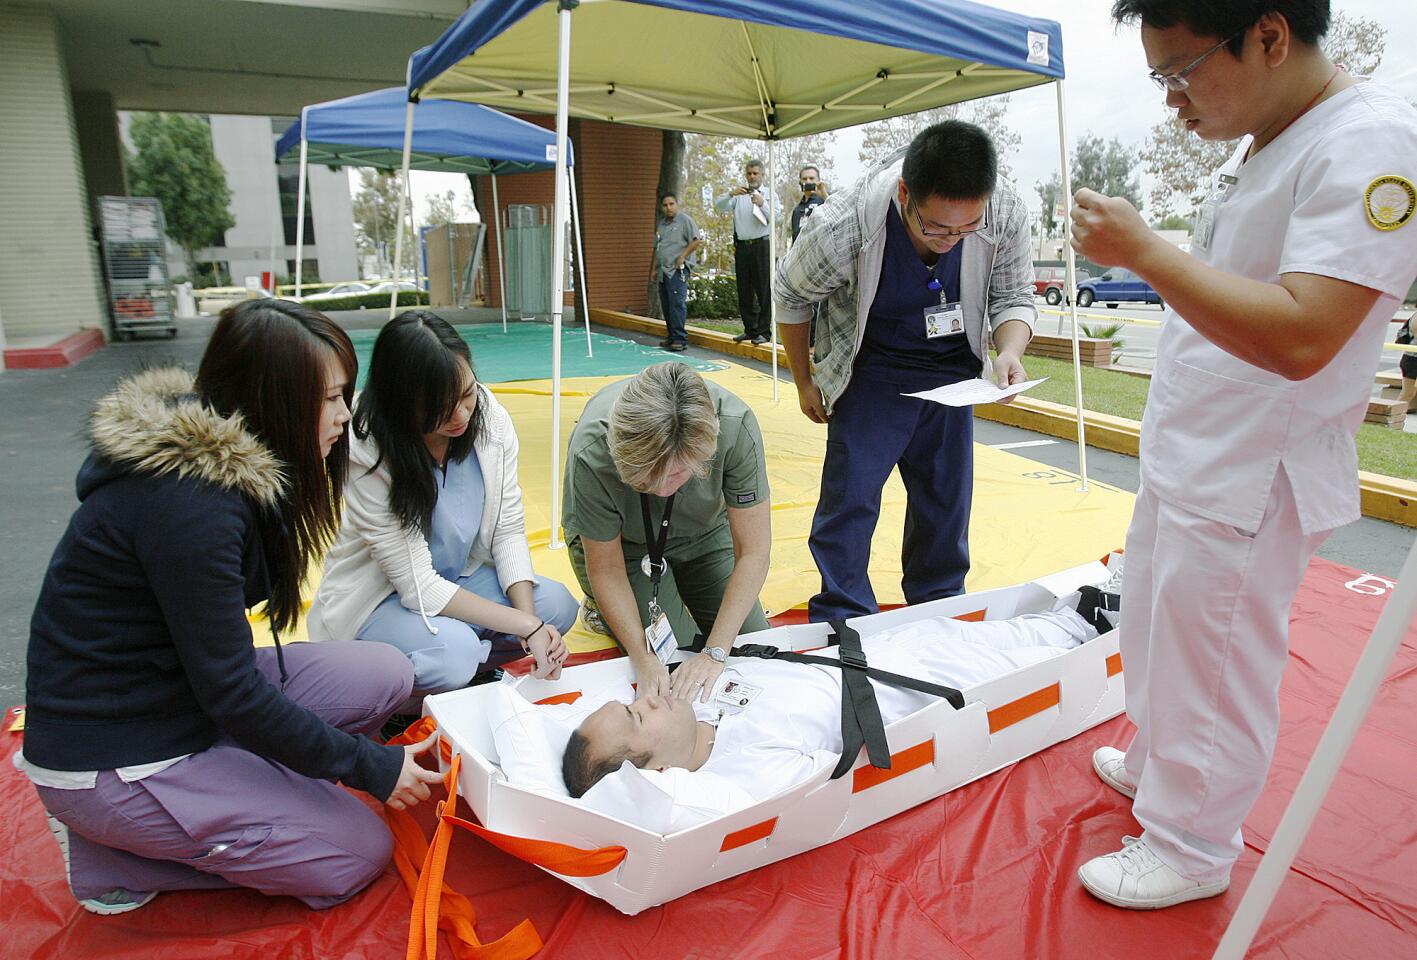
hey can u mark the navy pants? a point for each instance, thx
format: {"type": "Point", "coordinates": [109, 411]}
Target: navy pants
{"type": "Point", "coordinates": [674, 299]}
{"type": "Point", "coordinates": [872, 430]}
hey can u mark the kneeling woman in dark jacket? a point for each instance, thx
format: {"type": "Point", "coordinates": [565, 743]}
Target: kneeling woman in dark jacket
{"type": "Point", "coordinates": [171, 753]}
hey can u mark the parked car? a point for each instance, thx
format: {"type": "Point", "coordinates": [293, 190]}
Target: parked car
{"type": "Point", "coordinates": [1117, 286]}
{"type": "Point", "coordinates": [348, 289]}
{"type": "Point", "coordinates": [1049, 283]}
{"type": "Point", "coordinates": [388, 286]}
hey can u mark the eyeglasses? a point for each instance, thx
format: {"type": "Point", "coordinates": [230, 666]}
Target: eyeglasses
{"type": "Point", "coordinates": [953, 233]}
{"type": "Point", "coordinates": [1176, 82]}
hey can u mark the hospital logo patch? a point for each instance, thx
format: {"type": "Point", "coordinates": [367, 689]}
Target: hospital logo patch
{"type": "Point", "coordinates": [1390, 201]}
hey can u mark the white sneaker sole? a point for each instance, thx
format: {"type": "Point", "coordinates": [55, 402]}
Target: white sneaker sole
{"type": "Point", "coordinates": [61, 836]}
{"type": "Point", "coordinates": [1124, 789]}
{"type": "Point", "coordinates": [1201, 892]}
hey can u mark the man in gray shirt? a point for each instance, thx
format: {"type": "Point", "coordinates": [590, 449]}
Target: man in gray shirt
{"type": "Point", "coordinates": [749, 202]}
{"type": "Point", "coordinates": [676, 238]}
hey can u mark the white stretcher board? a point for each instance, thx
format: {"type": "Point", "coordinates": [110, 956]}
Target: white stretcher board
{"type": "Point", "coordinates": [952, 748]}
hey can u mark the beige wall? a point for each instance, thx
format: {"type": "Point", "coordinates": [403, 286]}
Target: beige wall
{"type": "Point", "coordinates": [49, 280]}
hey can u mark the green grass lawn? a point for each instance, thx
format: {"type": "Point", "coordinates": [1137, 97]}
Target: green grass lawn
{"type": "Point", "coordinates": [734, 327]}
{"type": "Point", "coordinates": [1380, 449]}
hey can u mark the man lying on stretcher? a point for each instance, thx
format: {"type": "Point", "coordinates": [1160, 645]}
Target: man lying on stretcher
{"type": "Point", "coordinates": [767, 718]}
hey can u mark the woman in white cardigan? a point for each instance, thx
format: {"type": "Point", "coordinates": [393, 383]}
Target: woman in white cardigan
{"type": "Point", "coordinates": [432, 553]}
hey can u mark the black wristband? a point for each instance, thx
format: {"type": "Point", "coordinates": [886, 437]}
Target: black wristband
{"type": "Point", "coordinates": [528, 637]}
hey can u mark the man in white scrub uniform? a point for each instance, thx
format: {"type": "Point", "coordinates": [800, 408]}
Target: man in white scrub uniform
{"type": "Point", "coordinates": [1300, 255]}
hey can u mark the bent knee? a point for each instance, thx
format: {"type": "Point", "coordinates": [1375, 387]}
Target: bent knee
{"type": "Point", "coordinates": [557, 606]}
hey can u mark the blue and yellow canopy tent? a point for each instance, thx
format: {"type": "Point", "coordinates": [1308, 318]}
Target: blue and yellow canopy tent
{"type": "Point", "coordinates": [367, 130]}
{"type": "Point", "coordinates": [730, 67]}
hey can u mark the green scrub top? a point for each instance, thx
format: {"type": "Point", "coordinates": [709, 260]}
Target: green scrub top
{"type": "Point", "coordinates": [598, 505]}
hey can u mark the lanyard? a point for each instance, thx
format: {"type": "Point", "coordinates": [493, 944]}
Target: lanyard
{"type": "Point", "coordinates": [655, 545]}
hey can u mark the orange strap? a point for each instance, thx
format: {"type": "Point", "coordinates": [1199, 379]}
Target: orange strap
{"type": "Point", "coordinates": [557, 857]}
{"type": "Point", "coordinates": [435, 905]}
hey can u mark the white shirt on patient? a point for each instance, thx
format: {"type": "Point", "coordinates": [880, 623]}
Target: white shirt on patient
{"type": "Point", "coordinates": [792, 727]}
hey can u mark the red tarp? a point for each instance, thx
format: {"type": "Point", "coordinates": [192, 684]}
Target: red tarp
{"type": "Point", "coordinates": [987, 871]}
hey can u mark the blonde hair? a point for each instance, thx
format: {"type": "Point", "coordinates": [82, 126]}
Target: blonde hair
{"type": "Point", "coordinates": [662, 419]}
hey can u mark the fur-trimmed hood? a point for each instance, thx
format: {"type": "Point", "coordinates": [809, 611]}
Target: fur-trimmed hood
{"type": "Point", "coordinates": [154, 423]}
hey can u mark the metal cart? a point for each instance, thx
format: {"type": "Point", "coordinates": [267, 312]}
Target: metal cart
{"type": "Point", "coordinates": [139, 292]}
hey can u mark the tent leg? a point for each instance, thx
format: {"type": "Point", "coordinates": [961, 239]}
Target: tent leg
{"type": "Point", "coordinates": [560, 218]}
{"type": "Point", "coordinates": [580, 260]}
{"type": "Point", "coordinates": [501, 264]}
{"type": "Point", "coordinates": [772, 261]}
{"type": "Point", "coordinates": [300, 213]}
{"type": "Point", "coordinates": [1348, 716]}
{"type": "Point", "coordinates": [403, 205]}
{"type": "Point", "coordinates": [1072, 283]}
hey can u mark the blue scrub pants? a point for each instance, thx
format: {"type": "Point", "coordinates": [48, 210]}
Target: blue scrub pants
{"type": "Point", "coordinates": [449, 659]}
{"type": "Point", "coordinates": [674, 299]}
{"type": "Point", "coordinates": [872, 430]}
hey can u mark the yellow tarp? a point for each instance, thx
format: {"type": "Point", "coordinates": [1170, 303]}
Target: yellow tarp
{"type": "Point", "coordinates": [1028, 519]}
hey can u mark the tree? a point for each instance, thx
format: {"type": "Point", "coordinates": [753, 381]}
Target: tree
{"type": "Point", "coordinates": [1181, 164]}
{"type": "Point", "coordinates": [1356, 44]}
{"type": "Point", "coordinates": [1107, 167]}
{"type": "Point", "coordinates": [444, 209]}
{"type": "Point", "coordinates": [883, 137]}
{"type": "Point", "coordinates": [175, 163]}
{"type": "Point", "coordinates": [1172, 221]}
{"type": "Point", "coordinates": [376, 208]}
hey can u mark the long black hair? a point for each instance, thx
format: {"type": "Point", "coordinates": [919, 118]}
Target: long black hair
{"type": "Point", "coordinates": [414, 385]}
{"type": "Point", "coordinates": [267, 361]}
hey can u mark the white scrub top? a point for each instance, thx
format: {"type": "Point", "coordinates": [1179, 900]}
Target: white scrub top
{"type": "Point", "coordinates": [1332, 195]}
{"type": "Point", "coordinates": [792, 727]}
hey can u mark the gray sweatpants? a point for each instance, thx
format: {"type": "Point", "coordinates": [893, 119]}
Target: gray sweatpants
{"type": "Point", "coordinates": [226, 817]}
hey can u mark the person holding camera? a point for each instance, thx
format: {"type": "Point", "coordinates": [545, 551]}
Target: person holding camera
{"type": "Point", "coordinates": [814, 193]}
{"type": "Point", "coordinates": [752, 263]}
{"type": "Point", "coordinates": [676, 238]}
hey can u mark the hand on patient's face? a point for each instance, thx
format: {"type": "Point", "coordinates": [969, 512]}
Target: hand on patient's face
{"type": "Point", "coordinates": [651, 677]}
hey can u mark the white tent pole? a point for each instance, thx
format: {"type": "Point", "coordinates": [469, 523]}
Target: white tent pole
{"type": "Point", "coordinates": [772, 260]}
{"type": "Point", "coordinates": [560, 219]}
{"type": "Point", "coordinates": [403, 204]}
{"type": "Point", "coordinates": [501, 264]}
{"type": "Point", "coordinates": [417, 247]}
{"type": "Point", "coordinates": [1348, 716]}
{"type": "Point", "coordinates": [1071, 293]}
{"type": "Point", "coordinates": [580, 260]}
{"type": "Point", "coordinates": [300, 212]}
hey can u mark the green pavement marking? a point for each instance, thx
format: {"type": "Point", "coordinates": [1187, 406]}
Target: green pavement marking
{"type": "Point", "coordinates": [524, 352]}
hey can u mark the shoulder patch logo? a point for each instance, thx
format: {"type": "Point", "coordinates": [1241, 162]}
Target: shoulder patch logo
{"type": "Point", "coordinates": [1390, 201]}
{"type": "Point", "coordinates": [742, 498]}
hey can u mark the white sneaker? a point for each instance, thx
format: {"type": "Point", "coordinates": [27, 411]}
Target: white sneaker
{"type": "Point", "coordinates": [1114, 567]}
{"type": "Point", "coordinates": [115, 901]}
{"type": "Point", "coordinates": [1111, 767]}
{"type": "Point", "coordinates": [1133, 878]}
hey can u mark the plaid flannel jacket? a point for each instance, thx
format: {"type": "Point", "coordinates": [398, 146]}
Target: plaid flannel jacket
{"type": "Point", "coordinates": [836, 262]}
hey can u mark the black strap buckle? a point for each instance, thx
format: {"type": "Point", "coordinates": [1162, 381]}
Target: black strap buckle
{"type": "Point", "coordinates": [853, 658]}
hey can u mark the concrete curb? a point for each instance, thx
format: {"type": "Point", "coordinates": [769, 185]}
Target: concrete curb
{"type": "Point", "coordinates": [1382, 497]}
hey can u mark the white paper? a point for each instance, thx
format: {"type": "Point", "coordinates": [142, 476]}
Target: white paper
{"type": "Point", "coordinates": [967, 393]}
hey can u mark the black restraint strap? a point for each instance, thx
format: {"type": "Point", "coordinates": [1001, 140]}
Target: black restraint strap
{"type": "Point", "coordinates": [1093, 602]}
{"type": "Point", "coordinates": [860, 714]}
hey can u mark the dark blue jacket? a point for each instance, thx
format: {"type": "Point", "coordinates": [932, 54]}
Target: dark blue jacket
{"type": "Point", "coordinates": [139, 647]}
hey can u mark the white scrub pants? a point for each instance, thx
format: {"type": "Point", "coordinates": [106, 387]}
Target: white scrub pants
{"type": "Point", "coordinates": [1204, 639]}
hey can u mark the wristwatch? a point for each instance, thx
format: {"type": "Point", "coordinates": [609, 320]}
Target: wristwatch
{"type": "Point", "coordinates": [717, 654]}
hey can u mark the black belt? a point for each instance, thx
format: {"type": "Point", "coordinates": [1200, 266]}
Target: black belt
{"type": "Point", "coordinates": [860, 714]}
{"type": "Point", "coordinates": [753, 240]}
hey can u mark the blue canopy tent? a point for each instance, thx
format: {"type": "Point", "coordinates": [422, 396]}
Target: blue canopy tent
{"type": "Point", "coordinates": [734, 67]}
{"type": "Point", "coordinates": [367, 130]}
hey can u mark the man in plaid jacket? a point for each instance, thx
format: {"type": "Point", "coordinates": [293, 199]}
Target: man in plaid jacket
{"type": "Point", "coordinates": [914, 271]}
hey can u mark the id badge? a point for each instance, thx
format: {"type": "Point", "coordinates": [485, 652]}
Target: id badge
{"type": "Point", "coordinates": [946, 320]}
{"type": "Point", "coordinates": [1205, 223]}
{"type": "Point", "coordinates": [735, 697]}
{"type": "Point", "coordinates": [659, 638]}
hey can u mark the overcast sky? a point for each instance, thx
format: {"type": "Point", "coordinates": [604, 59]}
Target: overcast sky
{"type": "Point", "coordinates": [1107, 91]}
